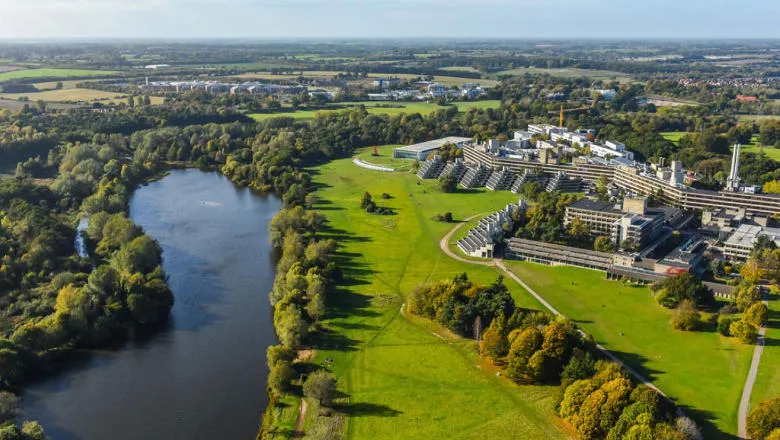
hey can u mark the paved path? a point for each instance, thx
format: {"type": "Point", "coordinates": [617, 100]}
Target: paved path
{"type": "Point", "coordinates": [444, 244]}
{"type": "Point", "coordinates": [747, 390]}
{"type": "Point", "coordinates": [370, 166]}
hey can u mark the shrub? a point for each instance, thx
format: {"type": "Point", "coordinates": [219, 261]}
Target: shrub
{"type": "Point", "coordinates": [686, 317]}
{"type": "Point", "coordinates": [724, 323]}
{"type": "Point", "coordinates": [672, 290]}
{"type": "Point", "coordinates": [757, 314]}
{"type": "Point", "coordinates": [744, 331]}
{"type": "Point", "coordinates": [764, 419]}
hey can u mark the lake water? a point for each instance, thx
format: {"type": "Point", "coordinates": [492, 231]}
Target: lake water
{"type": "Point", "coordinates": [204, 375]}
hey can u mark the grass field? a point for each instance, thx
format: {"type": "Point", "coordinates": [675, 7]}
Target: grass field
{"type": "Point", "coordinates": [768, 380]}
{"type": "Point", "coordinates": [673, 136]}
{"type": "Point", "coordinates": [404, 377]}
{"type": "Point", "coordinates": [59, 73]}
{"type": "Point", "coordinates": [446, 80]}
{"type": "Point", "coordinates": [386, 158]}
{"type": "Point", "coordinates": [758, 118]}
{"type": "Point", "coordinates": [69, 95]}
{"type": "Point", "coordinates": [569, 73]}
{"type": "Point", "coordinates": [377, 108]}
{"type": "Point", "coordinates": [702, 371]}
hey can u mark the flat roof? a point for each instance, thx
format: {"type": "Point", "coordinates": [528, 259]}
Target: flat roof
{"type": "Point", "coordinates": [746, 234]}
{"type": "Point", "coordinates": [434, 144]}
{"type": "Point", "coordinates": [595, 205]}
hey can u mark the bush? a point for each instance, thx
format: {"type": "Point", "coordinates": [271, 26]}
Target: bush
{"type": "Point", "coordinates": [446, 217]}
{"type": "Point", "coordinates": [672, 290]}
{"type": "Point", "coordinates": [686, 317]}
{"type": "Point", "coordinates": [448, 184]}
{"type": "Point", "coordinates": [744, 331]}
{"type": "Point", "coordinates": [724, 323]}
{"type": "Point", "coordinates": [757, 314]}
{"type": "Point", "coordinates": [764, 419]}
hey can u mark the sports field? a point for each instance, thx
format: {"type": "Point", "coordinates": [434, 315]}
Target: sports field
{"type": "Point", "coordinates": [384, 108]}
{"type": "Point", "coordinates": [405, 377]}
{"type": "Point", "coordinates": [702, 371]}
{"type": "Point", "coordinates": [53, 73]}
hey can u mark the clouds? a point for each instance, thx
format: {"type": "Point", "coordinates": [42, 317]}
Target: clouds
{"type": "Point", "coordinates": [388, 18]}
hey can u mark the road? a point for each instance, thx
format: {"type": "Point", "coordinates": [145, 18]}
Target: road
{"type": "Point", "coordinates": [747, 390]}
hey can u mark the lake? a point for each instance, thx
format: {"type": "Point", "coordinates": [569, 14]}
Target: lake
{"type": "Point", "coordinates": [203, 375]}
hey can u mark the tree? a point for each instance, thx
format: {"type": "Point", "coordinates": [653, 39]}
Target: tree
{"type": "Point", "coordinates": [579, 230]}
{"type": "Point", "coordinates": [8, 406]}
{"type": "Point", "coordinates": [671, 291]}
{"type": "Point", "coordinates": [494, 343]}
{"type": "Point", "coordinates": [686, 316]}
{"type": "Point", "coordinates": [602, 188]}
{"type": "Point", "coordinates": [448, 184]}
{"type": "Point", "coordinates": [744, 331]}
{"type": "Point", "coordinates": [604, 244]}
{"type": "Point", "coordinates": [764, 419]}
{"type": "Point", "coordinates": [757, 314]}
{"type": "Point", "coordinates": [523, 347]}
{"type": "Point", "coordinates": [130, 101]}
{"type": "Point", "coordinates": [747, 294]}
{"type": "Point", "coordinates": [320, 385]}
{"type": "Point", "coordinates": [751, 270]}
{"type": "Point", "coordinates": [32, 430]}
{"type": "Point", "coordinates": [772, 187]}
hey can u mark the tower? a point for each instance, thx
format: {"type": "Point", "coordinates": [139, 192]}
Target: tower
{"type": "Point", "coordinates": [732, 184]}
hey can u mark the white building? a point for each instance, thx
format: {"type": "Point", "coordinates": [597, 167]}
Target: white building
{"type": "Point", "coordinates": [437, 90]}
{"type": "Point", "coordinates": [383, 83]}
{"type": "Point", "coordinates": [545, 129]}
{"type": "Point", "coordinates": [605, 93]}
{"type": "Point", "coordinates": [740, 243]}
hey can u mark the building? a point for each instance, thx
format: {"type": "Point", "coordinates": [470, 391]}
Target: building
{"type": "Point", "coordinates": [732, 184]}
{"type": "Point", "coordinates": [481, 241]}
{"type": "Point", "coordinates": [422, 150]}
{"type": "Point", "coordinates": [437, 90]}
{"type": "Point", "coordinates": [383, 83]}
{"type": "Point", "coordinates": [607, 94]}
{"type": "Point", "coordinates": [740, 243]}
{"type": "Point", "coordinates": [633, 222]}
{"type": "Point", "coordinates": [545, 129]}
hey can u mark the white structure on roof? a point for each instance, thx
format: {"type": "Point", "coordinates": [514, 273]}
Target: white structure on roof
{"type": "Point", "coordinates": [423, 149]}
{"type": "Point", "coordinates": [732, 184]}
{"type": "Point", "coordinates": [740, 243]}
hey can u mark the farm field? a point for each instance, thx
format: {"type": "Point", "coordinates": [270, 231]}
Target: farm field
{"type": "Point", "coordinates": [404, 374]}
{"type": "Point", "coordinates": [702, 371]}
{"type": "Point", "coordinates": [375, 108]}
{"type": "Point", "coordinates": [69, 95]}
{"type": "Point", "coordinates": [569, 73]}
{"type": "Point", "coordinates": [446, 80]}
{"type": "Point", "coordinates": [45, 73]}
{"type": "Point", "coordinates": [758, 118]}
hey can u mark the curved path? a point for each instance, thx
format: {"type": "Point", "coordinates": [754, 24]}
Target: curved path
{"type": "Point", "coordinates": [369, 166]}
{"type": "Point", "coordinates": [444, 244]}
{"type": "Point", "coordinates": [744, 403]}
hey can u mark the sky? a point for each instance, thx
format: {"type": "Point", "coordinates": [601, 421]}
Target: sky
{"type": "Point", "coordinates": [594, 19]}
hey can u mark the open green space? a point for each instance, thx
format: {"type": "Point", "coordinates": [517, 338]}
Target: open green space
{"type": "Point", "coordinates": [53, 73]}
{"type": "Point", "coordinates": [446, 80]}
{"type": "Point", "coordinates": [404, 376]}
{"type": "Point", "coordinates": [703, 372]}
{"type": "Point", "coordinates": [569, 72]}
{"type": "Point", "coordinates": [768, 379]}
{"type": "Point", "coordinates": [752, 147]}
{"type": "Point", "coordinates": [673, 136]}
{"type": "Point", "coordinates": [756, 118]}
{"type": "Point", "coordinates": [384, 108]}
{"type": "Point", "coordinates": [385, 158]}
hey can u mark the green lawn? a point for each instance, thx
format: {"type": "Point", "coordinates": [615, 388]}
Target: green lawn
{"type": "Point", "coordinates": [59, 73]}
{"type": "Point", "coordinates": [673, 136]}
{"type": "Point", "coordinates": [768, 380]}
{"type": "Point", "coordinates": [385, 108]}
{"type": "Point", "coordinates": [702, 371]}
{"type": "Point", "coordinates": [757, 118]}
{"type": "Point", "coordinates": [569, 72]}
{"type": "Point", "coordinates": [405, 377]}
{"type": "Point", "coordinates": [385, 158]}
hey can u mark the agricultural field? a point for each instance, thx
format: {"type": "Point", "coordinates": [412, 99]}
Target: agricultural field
{"type": "Point", "coordinates": [69, 95]}
{"type": "Point", "coordinates": [446, 80]}
{"type": "Point", "coordinates": [404, 375]}
{"type": "Point", "coordinates": [569, 73]}
{"type": "Point", "coordinates": [59, 73]}
{"type": "Point", "coordinates": [702, 371]}
{"type": "Point", "coordinates": [385, 158]}
{"type": "Point", "coordinates": [382, 108]}
{"type": "Point", "coordinates": [771, 152]}
{"type": "Point", "coordinates": [756, 118]}
{"type": "Point", "coordinates": [460, 69]}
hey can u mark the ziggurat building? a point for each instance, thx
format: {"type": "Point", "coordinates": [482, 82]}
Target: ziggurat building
{"type": "Point", "coordinates": [633, 181]}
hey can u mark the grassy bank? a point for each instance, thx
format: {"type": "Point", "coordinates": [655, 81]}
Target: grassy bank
{"type": "Point", "coordinates": [702, 372]}
{"type": "Point", "coordinates": [402, 375]}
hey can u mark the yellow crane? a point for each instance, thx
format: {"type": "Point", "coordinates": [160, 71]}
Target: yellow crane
{"type": "Point", "coordinates": [566, 111]}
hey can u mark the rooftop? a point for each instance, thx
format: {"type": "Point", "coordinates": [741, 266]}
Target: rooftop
{"type": "Point", "coordinates": [746, 234]}
{"type": "Point", "coordinates": [434, 144]}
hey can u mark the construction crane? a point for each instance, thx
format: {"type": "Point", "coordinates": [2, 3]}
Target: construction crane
{"type": "Point", "coordinates": [566, 111]}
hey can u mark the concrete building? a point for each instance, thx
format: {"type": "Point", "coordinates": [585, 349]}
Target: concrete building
{"type": "Point", "coordinates": [545, 129]}
{"type": "Point", "coordinates": [634, 221]}
{"type": "Point", "coordinates": [420, 151]}
{"type": "Point", "coordinates": [383, 83]}
{"type": "Point", "coordinates": [732, 184]}
{"type": "Point", "coordinates": [741, 242]}
{"type": "Point", "coordinates": [437, 90]}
